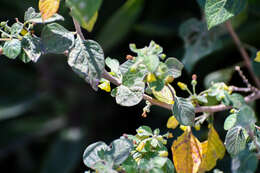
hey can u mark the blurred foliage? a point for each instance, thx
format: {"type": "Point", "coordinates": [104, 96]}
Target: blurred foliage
{"type": "Point", "coordinates": [48, 115]}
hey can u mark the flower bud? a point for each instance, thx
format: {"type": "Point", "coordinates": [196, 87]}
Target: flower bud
{"type": "Point", "coordinates": [163, 153]}
{"type": "Point", "coordinates": [150, 77]}
{"type": "Point", "coordinates": [182, 86]}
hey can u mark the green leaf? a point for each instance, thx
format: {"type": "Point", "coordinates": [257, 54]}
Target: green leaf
{"type": "Point", "coordinates": [24, 57]}
{"type": "Point", "coordinates": [87, 60]}
{"type": "Point", "coordinates": [130, 165]}
{"type": "Point", "coordinates": [12, 48]}
{"type": "Point", "coordinates": [32, 17]}
{"type": "Point", "coordinates": [184, 111]}
{"type": "Point", "coordinates": [246, 117]}
{"type": "Point", "coordinates": [120, 150]}
{"type": "Point", "coordinates": [32, 47]}
{"type": "Point", "coordinates": [144, 131]}
{"type": "Point", "coordinates": [219, 11]}
{"type": "Point", "coordinates": [90, 156]}
{"type": "Point", "coordinates": [151, 62]}
{"type": "Point", "coordinates": [130, 96]}
{"type": "Point", "coordinates": [84, 11]}
{"type": "Point", "coordinates": [125, 66]}
{"type": "Point", "coordinates": [56, 39]}
{"type": "Point", "coordinates": [223, 75]}
{"type": "Point", "coordinates": [245, 161]}
{"type": "Point", "coordinates": [16, 28]}
{"type": "Point", "coordinates": [174, 66]}
{"type": "Point", "coordinates": [113, 64]}
{"type": "Point", "coordinates": [64, 152]}
{"type": "Point", "coordinates": [235, 141]}
{"type": "Point", "coordinates": [199, 42]}
{"type": "Point", "coordinates": [235, 100]}
{"type": "Point", "coordinates": [120, 23]}
{"type": "Point", "coordinates": [230, 121]}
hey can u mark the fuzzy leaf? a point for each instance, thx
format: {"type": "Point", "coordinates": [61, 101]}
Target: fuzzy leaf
{"type": "Point", "coordinates": [235, 140]}
{"type": "Point", "coordinates": [219, 11]}
{"type": "Point", "coordinates": [184, 111]}
{"type": "Point", "coordinates": [12, 48]}
{"type": "Point", "coordinates": [56, 39]}
{"type": "Point", "coordinates": [174, 66]}
{"type": "Point", "coordinates": [87, 60]}
{"type": "Point", "coordinates": [230, 121]}
{"type": "Point", "coordinates": [32, 46]}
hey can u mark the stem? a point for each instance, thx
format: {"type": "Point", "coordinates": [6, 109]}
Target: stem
{"type": "Point", "coordinates": [78, 29]}
{"type": "Point", "coordinates": [243, 52]}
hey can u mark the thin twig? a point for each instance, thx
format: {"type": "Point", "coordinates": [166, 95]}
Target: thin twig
{"type": "Point", "coordinates": [78, 29]}
{"type": "Point", "coordinates": [245, 80]}
{"type": "Point", "coordinates": [238, 89]}
{"type": "Point", "coordinates": [243, 52]}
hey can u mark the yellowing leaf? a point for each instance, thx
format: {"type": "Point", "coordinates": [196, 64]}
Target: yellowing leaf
{"type": "Point", "coordinates": [212, 150]}
{"type": "Point", "coordinates": [187, 151]}
{"type": "Point", "coordinates": [90, 24]}
{"type": "Point", "coordinates": [172, 123]}
{"type": "Point", "coordinates": [257, 59]}
{"type": "Point", "coordinates": [164, 95]}
{"type": "Point", "coordinates": [48, 8]}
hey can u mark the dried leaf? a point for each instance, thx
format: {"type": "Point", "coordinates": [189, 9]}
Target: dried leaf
{"type": "Point", "coordinates": [187, 152]}
{"type": "Point", "coordinates": [48, 8]}
{"type": "Point", "coordinates": [212, 150]}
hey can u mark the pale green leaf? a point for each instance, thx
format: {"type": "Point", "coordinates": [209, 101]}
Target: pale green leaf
{"type": "Point", "coordinates": [56, 39]}
{"type": "Point", "coordinates": [174, 66]}
{"type": "Point", "coordinates": [235, 140]}
{"type": "Point", "coordinates": [12, 48]}
{"type": "Point", "coordinates": [184, 111]}
{"type": "Point", "coordinates": [219, 11]}
{"type": "Point", "coordinates": [87, 60]}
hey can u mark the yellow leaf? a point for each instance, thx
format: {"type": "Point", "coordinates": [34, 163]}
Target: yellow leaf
{"type": "Point", "coordinates": [257, 59]}
{"type": "Point", "coordinates": [90, 25]}
{"type": "Point", "coordinates": [172, 123]}
{"type": "Point", "coordinates": [212, 150]}
{"type": "Point", "coordinates": [187, 151]}
{"type": "Point", "coordinates": [164, 95]}
{"type": "Point", "coordinates": [48, 8]}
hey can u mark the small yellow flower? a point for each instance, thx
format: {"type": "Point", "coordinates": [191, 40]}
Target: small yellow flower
{"type": "Point", "coordinates": [257, 59]}
{"type": "Point", "coordinates": [105, 86]}
{"type": "Point", "coordinates": [169, 79]}
{"type": "Point", "coordinates": [150, 77]}
{"type": "Point", "coordinates": [140, 146]}
{"type": "Point", "coordinates": [197, 127]}
{"type": "Point", "coordinates": [24, 32]}
{"type": "Point", "coordinates": [172, 123]}
{"type": "Point", "coordinates": [170, 135]}
{"type": "Point", "coordinates": [163, 153]}
{"type": "Point", "coordinates": [182, 86]}
{"type": "Point", "coordinates": [182, 127]}
{"type": "Point", "coordinates": [232, 111]}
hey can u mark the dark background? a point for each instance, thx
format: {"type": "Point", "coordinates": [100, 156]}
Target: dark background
{"type": "Point", "coordinates": [48, 115]}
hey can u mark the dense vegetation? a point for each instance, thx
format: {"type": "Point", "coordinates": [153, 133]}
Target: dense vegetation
{"type": "Point", "coordinates": [208, 104]}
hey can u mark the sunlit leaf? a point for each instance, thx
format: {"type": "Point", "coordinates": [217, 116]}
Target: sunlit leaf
{"type": "Point", "coordinates": [48, 8]}
{"type": "Point", "coordinates": [12, 48]}
{"type": "Point", "coordinates": [187, 153]}
{"type": "Point", "coordinates": [184, 111]}
{"type": "Point", "coordinates": [235, 140]}
{"type": "Point", "coordinates": [85, 12]}
{"type": "Point", "coordinates": [165, 95]}
{"type": "Point", "coordinates": [212, 149]}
